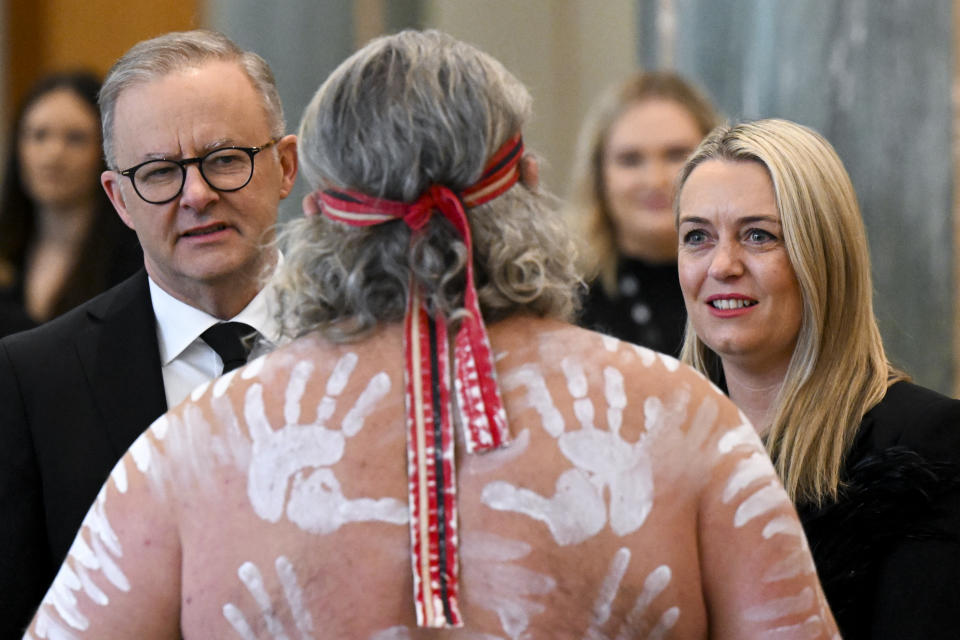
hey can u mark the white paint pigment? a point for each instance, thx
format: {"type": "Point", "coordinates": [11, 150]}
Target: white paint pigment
{"type": "Point", "coordinates": [765, 500]}
{"type": "Point", "coordinates": [610, 586]}
{"type": "Point", "coordinates": [616, 397]}
{"type": "Point", "coordinates": [538, 397]}
{"type": "Point", "coordinates": [574, 513]}
{"type": "Point", "coordinates": [494, 582]}
{"type": "Point", "coordinates": [746, 472]}
{"type": "Point", "coordinates": [781, 607]}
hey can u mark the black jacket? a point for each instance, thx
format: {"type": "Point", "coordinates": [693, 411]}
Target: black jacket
{"type": "Point", "coordinates": [74, 394]}
{"type": "Point", "coordinates": [888, 550]}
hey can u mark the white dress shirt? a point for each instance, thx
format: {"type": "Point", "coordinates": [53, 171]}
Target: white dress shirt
{"type": "Point", "coordinates": [186, 360]}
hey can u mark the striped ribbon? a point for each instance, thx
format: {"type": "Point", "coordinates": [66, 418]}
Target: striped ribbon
{"type": "Point", "coordinates": [430, 438]}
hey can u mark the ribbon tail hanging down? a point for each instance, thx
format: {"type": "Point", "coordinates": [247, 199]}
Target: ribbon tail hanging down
{"type": "Point", "coordinates": [430, 439]}
{"type": "Point", "coordinates": [431, 470]}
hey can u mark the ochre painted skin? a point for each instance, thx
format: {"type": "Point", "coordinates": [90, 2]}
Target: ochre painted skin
{"type": "Point", "coordinates": [634, 502]}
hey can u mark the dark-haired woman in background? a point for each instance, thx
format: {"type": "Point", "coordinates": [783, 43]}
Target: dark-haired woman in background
{"type": "Point", "coordinates": [61, 243]}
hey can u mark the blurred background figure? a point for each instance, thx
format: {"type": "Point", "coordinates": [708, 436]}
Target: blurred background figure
{"type": "Point", "coordinates": [61, 242]}
{"type": "Point", "coordinates": [775, 272]}
{"type": "Point", "coordinates": [632, 146]}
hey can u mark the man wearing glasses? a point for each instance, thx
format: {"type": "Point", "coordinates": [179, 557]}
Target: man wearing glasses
{"type": "Point", "coordinates": [194, 138]}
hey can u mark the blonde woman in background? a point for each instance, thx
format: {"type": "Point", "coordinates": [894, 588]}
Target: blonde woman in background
{"type": "Point", "coordinates": [632, 146]}
{"type": "Point", "coordinates": [775, 272]}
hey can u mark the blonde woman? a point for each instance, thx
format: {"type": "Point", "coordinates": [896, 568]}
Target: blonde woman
{"type": "Point", "coordinates": [775, 273]}
{"type": "Point", "coordinates": [633, 144]}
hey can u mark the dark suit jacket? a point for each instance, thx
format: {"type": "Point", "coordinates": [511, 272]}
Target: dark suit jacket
{"type": "Point", "coordinates": [74, 394]}
{"type": "Point", "coordinates": [888, 551]}
{"type": "Point", "coordinates": [13, 318]}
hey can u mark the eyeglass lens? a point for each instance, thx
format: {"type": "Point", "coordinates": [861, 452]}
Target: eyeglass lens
{"type": "Point", "coordinates": [223, 169]}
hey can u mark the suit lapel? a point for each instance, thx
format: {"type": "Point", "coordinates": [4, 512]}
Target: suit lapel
{"type": "Point", "coordinates": [121, 359]}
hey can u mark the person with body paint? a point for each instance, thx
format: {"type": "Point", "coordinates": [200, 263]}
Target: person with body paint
{"type": "Point", "coordinates": [775, 271]}
{"type": "Point", "coordinates": [197, 164]}
{"type": "Point", "coordinates": [438, 453]}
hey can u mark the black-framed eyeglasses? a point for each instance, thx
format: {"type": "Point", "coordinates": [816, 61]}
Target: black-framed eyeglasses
{"type": "Point", "coordinates": [224, 169]}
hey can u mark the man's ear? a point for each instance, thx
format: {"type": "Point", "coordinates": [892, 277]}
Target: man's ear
{"type": "Point", "coordinates": [110, 180]}
{"type": "Point", "coordinates": [287, 152]}
{"type": "Point", "coordinates": [530, 172]}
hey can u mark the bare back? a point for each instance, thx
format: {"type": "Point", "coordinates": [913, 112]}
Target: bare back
{"type": "Point", "coordinates": [634, 502]}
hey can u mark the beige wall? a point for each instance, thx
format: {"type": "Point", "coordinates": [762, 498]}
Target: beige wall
{"type": "Point", "coordinates": [565, 51]}
{"type": "Point", "coordinates": [4, 110]}
{"type": "Point", "coordinates": [50, 35]}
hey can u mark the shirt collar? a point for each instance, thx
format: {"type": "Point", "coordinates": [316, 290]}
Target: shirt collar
{"type": "Point", "coordinates": [180, 324]}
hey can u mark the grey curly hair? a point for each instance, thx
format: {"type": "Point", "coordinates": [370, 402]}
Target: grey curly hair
{"type": "Point", "coordinates": [403, 113]}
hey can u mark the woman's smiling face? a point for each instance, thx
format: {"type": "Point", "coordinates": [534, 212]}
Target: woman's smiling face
{"type": "Point", "coordinates": [740, 289]}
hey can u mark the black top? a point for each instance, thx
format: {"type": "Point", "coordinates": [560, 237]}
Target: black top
{"type": "Point", "coordinates": [648, 311]}
{"type": "Point", "coordinates": [108, 255]}
{"type": "Point", "coordinates": [888, 550]}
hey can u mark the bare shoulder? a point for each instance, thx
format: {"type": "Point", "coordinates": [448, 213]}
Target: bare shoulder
{"type": "Point", "coordinates": [613, 377]}
{"type": "Point", "coordinates": [599, 496]}
{"type": "Point", "coordinates": [121, 573]}
{"type": "Point", "coordinates": [642, 476]}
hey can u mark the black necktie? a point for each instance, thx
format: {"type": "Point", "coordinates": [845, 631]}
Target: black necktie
{"type": "Point", "coordinates": [227, 339]}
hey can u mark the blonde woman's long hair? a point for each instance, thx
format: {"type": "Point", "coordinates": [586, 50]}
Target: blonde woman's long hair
{"type": "Point", "coordinates": [839, 369]}
{"type": "Point", "coordinates": [587, 211]}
